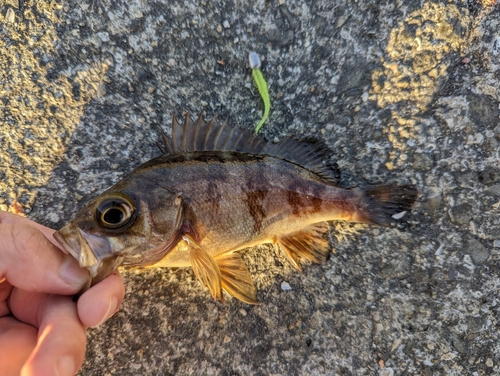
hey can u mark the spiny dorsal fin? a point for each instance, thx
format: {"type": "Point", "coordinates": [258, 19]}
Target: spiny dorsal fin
{"type": "Point", "coordinates": [201, 135]}
{"type": "Point", "coordinates": [309, 243]}
{"type": "Point", "coordinates": [236, 279]}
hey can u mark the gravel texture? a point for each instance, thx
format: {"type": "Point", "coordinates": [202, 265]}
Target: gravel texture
{"type": "Point", "coordinates": [402, 91]}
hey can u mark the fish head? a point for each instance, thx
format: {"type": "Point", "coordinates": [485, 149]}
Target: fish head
{"type": "Point", "coordinates": [127, 225]}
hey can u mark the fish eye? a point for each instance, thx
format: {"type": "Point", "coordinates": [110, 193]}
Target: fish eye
{"type": "Point", "coordinates": [115, 212]}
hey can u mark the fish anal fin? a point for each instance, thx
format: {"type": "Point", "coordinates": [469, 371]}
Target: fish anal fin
{"type": "Point", "coordinates": [236, 279]}
{"type": "Point", "coordinates": [309, 244]}
{"type": "Point", "coordinates": [205, 269]}
{"type": "Point", "coordinates": [292, 257]}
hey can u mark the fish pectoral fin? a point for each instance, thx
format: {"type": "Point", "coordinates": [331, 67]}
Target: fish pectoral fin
{"type": "Point", "coordinates": [205, 268]}
{"type": "Point", "coordinates": [309, 244]}
{"type": "Point", "coordinates": [236, 279]}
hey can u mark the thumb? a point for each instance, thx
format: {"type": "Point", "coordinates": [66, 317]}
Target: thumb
{"type": "Point", "coordinates": [29, 261]}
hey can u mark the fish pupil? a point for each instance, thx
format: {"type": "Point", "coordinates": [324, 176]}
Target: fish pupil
{"type": "Point", "coordinates": [113, 216]}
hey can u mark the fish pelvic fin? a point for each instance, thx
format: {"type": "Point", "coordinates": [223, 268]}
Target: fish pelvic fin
{"type": "Point", "coordinates": [205, 269]}
{"type": "Point", "coordinates": [235, 277]}
{"type": "Point", "coordinates": [309, 244]}
{"type": "Point", "coordinates": [387, 204]}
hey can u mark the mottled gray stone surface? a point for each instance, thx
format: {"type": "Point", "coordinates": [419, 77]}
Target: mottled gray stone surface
{"type": "Point", "coordinates": [402, 91]}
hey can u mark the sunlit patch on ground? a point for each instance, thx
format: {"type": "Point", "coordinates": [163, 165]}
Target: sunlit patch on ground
{"type": "Point", "coordinates": [39, 106]}
{"type": "Point", "coordinates": [418, 56]}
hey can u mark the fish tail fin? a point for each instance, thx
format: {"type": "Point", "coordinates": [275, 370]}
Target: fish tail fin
{"type": "Point", "coordinates": [387, 204]}
{"type": "Point", "coordinates": [309, 244]}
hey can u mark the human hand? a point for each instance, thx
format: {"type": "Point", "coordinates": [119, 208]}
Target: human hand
{"type": "Point", "coordinates": [42, 331]}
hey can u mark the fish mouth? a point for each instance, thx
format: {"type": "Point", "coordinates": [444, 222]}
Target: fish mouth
{"type": "Point", "coordinates": [92, 253]}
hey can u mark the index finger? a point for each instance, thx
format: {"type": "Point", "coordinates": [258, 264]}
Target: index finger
{"type": "Point", "coordinates": [9, 218]}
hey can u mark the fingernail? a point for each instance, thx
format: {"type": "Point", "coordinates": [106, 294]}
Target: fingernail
{"type": "Point", "coordinates": [112, 306]}
{"type": "Point", "coordinates": [66, 366]}
{"type": "Point", "coordinates": [72, 274]}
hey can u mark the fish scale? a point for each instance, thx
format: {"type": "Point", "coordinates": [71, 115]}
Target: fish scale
{"type": "Point", "coordinates": [217, 190]}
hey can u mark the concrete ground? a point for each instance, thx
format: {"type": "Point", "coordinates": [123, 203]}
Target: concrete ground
{"type": "Point", "coordinates": [402, 91]}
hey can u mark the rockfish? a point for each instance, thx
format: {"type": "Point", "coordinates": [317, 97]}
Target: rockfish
{"type": "Point", "coordinates": [217, 190]}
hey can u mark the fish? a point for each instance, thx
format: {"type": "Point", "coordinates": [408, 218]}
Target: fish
{"type": "Point", "coordinates": [215, 191]}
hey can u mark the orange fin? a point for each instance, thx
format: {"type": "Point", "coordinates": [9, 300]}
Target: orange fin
{"type": "Point", "coordinates": [236, 279]}
{"type": "Point", "coordinates": [309, 244]}
{"type": "Point", "coordinates": [205, 268]}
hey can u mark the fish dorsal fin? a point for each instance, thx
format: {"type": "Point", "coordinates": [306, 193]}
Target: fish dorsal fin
{"type": "Point", "coordinates": [201, 135]}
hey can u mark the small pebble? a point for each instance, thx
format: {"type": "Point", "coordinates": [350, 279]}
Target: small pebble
{"type": "Point", "coordinates": [386, 372]}
{"type": "Point", "coordinates": [101, 90]}
{"type": "Point", "coordinates": [10, 16]}
{"type": "Point", "coordinates": [399, 215]}
{"type": "Point", "coordinates": [53, 217]}
{"type": "Point", "coordinates": [285, 286]}
{"type": "Point", "coordinates": [226, 24]}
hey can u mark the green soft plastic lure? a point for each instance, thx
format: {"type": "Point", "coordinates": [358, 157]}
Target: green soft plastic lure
{"type": "Point", "coordinates": [254, 62]}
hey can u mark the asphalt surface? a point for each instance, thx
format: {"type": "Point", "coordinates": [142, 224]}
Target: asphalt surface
{"type": "Point", "coordinates": [401, 91]}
